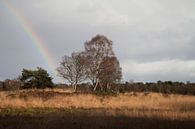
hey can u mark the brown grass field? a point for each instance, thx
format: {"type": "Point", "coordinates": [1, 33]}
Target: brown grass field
{"type": "Point", "coordinates": [64, 109]}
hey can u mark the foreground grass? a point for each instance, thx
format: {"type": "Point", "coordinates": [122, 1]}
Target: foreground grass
{"type": "Point", "coordinates": [92, 119]}
{"type": "Point", "coordinates": [59, 109]}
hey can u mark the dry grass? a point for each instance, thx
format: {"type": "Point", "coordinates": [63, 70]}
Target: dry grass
{"type": "Point", "coordinates": [65, 108]}
{"type": "Point", "coordinates": [131, 103]}
{"type": "Point", "coordinates": [58, 98]}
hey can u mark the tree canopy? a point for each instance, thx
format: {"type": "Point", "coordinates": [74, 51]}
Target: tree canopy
{"type": "Point", "coordinates": [36, 78]}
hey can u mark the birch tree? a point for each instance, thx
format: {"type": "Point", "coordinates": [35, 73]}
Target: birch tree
{"type": "Point", "coordinates": [72, 69]}
{"type": "Point", "coordinates": [98, 52]}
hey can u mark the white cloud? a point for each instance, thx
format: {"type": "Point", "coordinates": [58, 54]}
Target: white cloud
{"type": "Point", "coordinates": [176, 70]}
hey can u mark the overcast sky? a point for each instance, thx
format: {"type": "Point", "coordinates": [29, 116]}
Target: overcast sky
{"type": "Point", "coordinates": [153, 39]}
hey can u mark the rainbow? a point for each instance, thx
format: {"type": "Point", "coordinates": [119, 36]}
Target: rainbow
{"type": "Point", "coordinates": [27, 27]}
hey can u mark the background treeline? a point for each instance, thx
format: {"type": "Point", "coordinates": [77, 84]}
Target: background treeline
{"type": "Point", "coordinates": [167, 87]}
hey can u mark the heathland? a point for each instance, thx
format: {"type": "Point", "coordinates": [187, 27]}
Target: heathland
{"type": "Point", "coordinates": [65, 109]}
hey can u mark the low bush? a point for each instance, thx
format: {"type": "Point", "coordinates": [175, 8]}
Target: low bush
{"type": "Point", "coordinates": [12, 85]}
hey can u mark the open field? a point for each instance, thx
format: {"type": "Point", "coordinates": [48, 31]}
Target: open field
{"type": "Point", "coordinates": [58, 109]}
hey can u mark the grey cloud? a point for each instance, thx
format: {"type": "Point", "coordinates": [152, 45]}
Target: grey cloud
{"type": "Point", "coordinates": [142, 31]}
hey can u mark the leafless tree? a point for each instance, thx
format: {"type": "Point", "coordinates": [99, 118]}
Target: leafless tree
{"type": "Point", "coordinates": [73, 69]}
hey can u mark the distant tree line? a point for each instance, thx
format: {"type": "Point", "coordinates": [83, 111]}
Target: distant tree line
{"type": "Point", "coordinates": [166, 87]}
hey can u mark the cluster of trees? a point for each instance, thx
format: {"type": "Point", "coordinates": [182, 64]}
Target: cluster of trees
{"type": "Point", "coordinates": [38, 78]}
{"type": "Point", "coordinates": [96, 63]}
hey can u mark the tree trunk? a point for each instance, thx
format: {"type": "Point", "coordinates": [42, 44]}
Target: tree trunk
{"type": "Point", "coordinates": [75, 87]}
{"type": "Point", "coordinates": [101, 87]}
{"type": "Point", "coordinates": [96, 85]}
{"type": "Point", "coordinates": [93, 82]}
{"type": "Point", "coordinates": [108, 86]}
